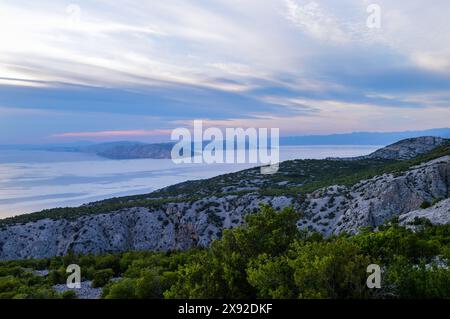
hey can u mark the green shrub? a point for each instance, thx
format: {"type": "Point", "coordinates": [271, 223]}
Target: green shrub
{"type": "Point", "coordinates": [267, 257]}
{"type": "Point", "coordinates": [425, 204]}
{"type": "Point", "coordinates": [69, 294]}
{"type": "Point", "coordinates": [123, 289]}
{"type": "Point", "coordinates": [102, 277]}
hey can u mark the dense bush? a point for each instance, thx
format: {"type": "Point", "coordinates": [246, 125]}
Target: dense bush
{"type": "Point", "coordinates": [270, 258]}
{"type": "Point", "coordinates": [267, 257]}
{"type": "Point", "coordinates": [24, 285]}
{"type": "Point", "coordinates": [102, 277]}
{"type": "Point", "coordinates": [69, 294]}
{"type": "Point", "coordinates": [313, 270]}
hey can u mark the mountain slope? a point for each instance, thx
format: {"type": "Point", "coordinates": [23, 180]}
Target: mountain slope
{"type": "Point", "coordinates": [439, 213]}
{"type": "Point", "coordinates": [409, 148]}
{"type": "Point", "coordinates": [334, 196]}
{"type": "Point", "coordinates": [130, 150]}
{"type": "Point", "coordinates": [362, 138]}
{"type": "Point", "coordinates": [374, 201]}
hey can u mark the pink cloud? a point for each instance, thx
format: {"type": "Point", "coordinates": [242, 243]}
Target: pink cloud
{"type": "Point", "coordinates": [103, 134]}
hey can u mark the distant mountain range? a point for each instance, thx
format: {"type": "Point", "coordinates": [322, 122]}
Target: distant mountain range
{"type": "Point", "coordinates": [111, 150]}
{"type": "Point", "coordinates": [136, 150]}
{"type": "Point", "coordinates": [362, 138]}
{"type": "Point", "coordinates": [130, 150]}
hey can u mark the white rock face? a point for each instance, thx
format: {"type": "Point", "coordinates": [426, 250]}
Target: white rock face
{"type": "Point", "coordinates": [372, 202]}
{"type": "Point", "coordinates": [404, 149]}
{"type": "Point", "coordinates": [408, 148]}
{"type": "Point", "coordinates": [438, 214]}
{"type": "Point", "coordinates": [179, 226]}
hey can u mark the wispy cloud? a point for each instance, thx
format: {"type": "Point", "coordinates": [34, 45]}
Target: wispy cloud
{"type": "Point", "coordinates": [314, 21]}
{"type": "Point", "coordinates": [128, 133]}
{"type": "Point", "coordinates": [221, 60]}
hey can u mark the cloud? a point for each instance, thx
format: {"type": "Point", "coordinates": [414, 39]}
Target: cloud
{"type": "Point", "coordinates": [221, 60]}
{"type": "Point", "coordinates": [312, 18]}
{"type": "Point", "coordinates": [21, 82]}
{"type": "Point", "coordinates": [434, 61]}
{"type": "Point", "coordinates": [128, 133]}
{"type": "Point", "coordinates": [134, 44]}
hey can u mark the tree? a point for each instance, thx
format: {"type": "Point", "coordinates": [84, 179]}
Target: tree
{"type": "Point", "coordinates": [108, 262]}
{"type": "Point", "coordinates": [408, 280]}
{"type": "Point", "coordinates": [102, 277]}
{"type": "Point", "coordinates": [123, 289]}
{"type": "Point", "coordinates": [69, 294]}
{"type": "Point", "coordinates": [272, 277]}
{"type": "Point", "coordinates": [150, 285]}
{"type": "Point", "coordinates": [222, 273]}
{"type": "Point", "coordinates": [335, 269]}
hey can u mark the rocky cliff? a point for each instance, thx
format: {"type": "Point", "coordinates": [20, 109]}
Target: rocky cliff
{"type": "Point", "coordinates": [372, 202]}
{"type": "Point", "coordinates": [176, 226]}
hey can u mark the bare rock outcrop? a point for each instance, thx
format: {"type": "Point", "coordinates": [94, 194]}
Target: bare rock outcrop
{"type": "Point", "coordinates": [372, 202]}
{"type": "Point", "coordinates": [408, 148]}
{"type": "Point", "coordinates": [438, 214]}
{"type": "Point", "coordinates": [178, 226]}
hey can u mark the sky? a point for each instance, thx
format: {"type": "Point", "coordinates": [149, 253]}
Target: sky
{"type": "Point", "coordinates": [134, 70]}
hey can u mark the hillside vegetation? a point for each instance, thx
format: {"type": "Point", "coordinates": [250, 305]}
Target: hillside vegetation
{"type": "Point", "coordinates": [319, 225]}
{"type": "Point", "coordinates": [267, 257]}
{"type": "Point", "coordinates": [295, 178]}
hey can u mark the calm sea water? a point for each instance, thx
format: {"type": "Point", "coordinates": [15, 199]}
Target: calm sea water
{"type": "Point", "coordinates": [35, 180]}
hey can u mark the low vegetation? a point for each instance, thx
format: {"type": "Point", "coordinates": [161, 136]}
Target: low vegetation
{"type": "Point", "coordinates": [267, 257]}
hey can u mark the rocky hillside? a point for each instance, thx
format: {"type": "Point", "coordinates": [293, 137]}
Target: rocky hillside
{"type": "Point", "coordinates": [409, 148]}
{"type": "Point", "coordinates": [372, 202]}
{"type": "Point", "coordinates": [404, 149]}
{"type": "Point", "coordinates": [438, 214]}
{"type": "Point", "coordinates": [130, 150]}
{"type": "Point", "coordinates": [334, 197]}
